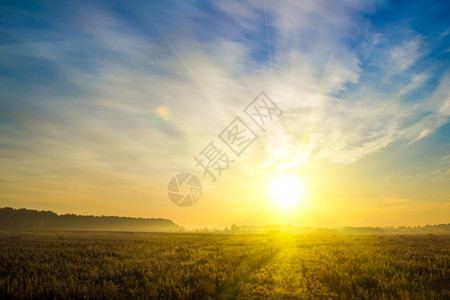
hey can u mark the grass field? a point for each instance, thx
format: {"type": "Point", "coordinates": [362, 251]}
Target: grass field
{"type": "Point", "coordinates": [201, 266]}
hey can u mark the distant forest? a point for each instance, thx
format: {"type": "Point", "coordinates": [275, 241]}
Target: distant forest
{"type": "Point", "coordinates": [427, 229]}
{"type": "Point", "coordinates": [26, 219]}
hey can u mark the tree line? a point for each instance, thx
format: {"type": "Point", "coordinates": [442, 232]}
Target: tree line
{"type": "Point", "coordinates": [26, 219]}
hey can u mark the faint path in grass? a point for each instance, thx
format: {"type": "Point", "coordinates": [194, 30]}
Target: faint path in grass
{"type": "Point", "coordinates": [290, 273]}
{"type": "Point", "coordinates": [247, 267]}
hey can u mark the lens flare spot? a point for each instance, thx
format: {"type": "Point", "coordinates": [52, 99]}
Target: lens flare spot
{"type": "Point", "coordinates": [164, 113]}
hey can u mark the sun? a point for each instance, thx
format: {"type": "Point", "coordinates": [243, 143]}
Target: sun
{"type": "Point", "coordinates": [286, 191]}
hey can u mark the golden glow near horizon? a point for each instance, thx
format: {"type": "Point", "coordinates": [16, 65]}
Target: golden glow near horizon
{"type": "Point", "coordinates": [96, 120]}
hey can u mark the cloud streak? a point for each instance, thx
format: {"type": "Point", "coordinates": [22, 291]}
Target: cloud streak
{"type": "Point", "coordinates": [346, 84]}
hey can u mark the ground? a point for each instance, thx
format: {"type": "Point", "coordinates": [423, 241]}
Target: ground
{"type": "Point", "coordinates": [201, 266]}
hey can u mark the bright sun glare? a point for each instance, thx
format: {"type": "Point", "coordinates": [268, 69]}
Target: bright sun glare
{"type": "Point", "coordinates": [286, 191]}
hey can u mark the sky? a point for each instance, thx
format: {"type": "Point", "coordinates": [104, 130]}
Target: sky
{"type": "Point", "coordinates": [102, 103]}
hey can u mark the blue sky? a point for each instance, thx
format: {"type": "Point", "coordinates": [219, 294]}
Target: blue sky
{"type": "Point", "coordinates": [102, 102]}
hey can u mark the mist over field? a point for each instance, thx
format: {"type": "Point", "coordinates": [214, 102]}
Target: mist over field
{"type": "Point", "coordinates": [25, 219]}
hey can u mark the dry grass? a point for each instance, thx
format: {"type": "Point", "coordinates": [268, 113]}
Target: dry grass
{"type": "Point", "coordinates": [202, 266]}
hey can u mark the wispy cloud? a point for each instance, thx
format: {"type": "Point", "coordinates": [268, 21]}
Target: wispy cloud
{"type": "Point", "coordinates": [345, 86]}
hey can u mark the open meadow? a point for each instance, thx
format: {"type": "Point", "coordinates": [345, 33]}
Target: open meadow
{"type": "Point", "coordinates": [117, 265]}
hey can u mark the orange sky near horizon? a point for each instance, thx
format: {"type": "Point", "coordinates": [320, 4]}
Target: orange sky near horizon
{"type": "Point", "coordinates": [101, 105]}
